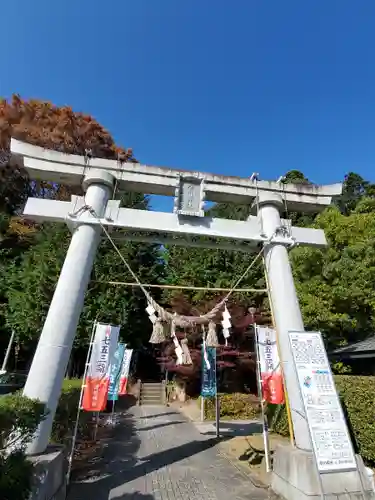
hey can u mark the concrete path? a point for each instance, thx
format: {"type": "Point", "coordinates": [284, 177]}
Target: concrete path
{"type": "Point", "coordinates": [157, 454]}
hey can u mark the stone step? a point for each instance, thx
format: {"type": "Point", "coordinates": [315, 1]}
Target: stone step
{"type": "Point", "coordinates": [151, 400]}
{"type": "Point", "coordinates": [152, 394]}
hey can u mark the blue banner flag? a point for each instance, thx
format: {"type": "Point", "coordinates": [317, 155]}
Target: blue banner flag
{"type": "Point", "coordinates": [209, 387]}
{"type": "Point", "coordinates": [114, 377]}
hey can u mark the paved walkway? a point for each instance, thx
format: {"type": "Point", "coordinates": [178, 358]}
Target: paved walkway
{"type": "Point", "coordinates": [157, 454]}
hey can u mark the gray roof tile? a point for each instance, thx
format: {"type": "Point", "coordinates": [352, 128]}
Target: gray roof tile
{"type": "Point", "coordinates": [362, 346]}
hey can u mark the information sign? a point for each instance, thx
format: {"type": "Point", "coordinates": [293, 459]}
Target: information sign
{"type": "Point", "coordinates": [329, 433]}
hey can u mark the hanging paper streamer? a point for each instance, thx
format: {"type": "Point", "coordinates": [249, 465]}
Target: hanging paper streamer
{"type": "Point", "coordinates": [209, 387]}
{"type": "Point", "coordinates": [270, 369]}
{"type": "Point", "coordinates": [226, 324]}
{"type": "Point", "coordinates": [98, 370]}
{"type": "Point", "coordinates": [125, 368]}
{"type": "Point", "coordinates": [115, 370]}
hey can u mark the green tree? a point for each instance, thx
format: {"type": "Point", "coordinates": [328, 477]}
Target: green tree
{"type": "Point", "coordinates": [31, 283]}
{"type": "Point", "coordinates": [336, 285]}
{"type": "Point", "coordinates": [355, 188]}
{"type": "Point", "coordinates": [31, 255]}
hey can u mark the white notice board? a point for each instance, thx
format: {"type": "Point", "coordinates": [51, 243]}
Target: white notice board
{"type": "Point", "coordinates": [331, 441]}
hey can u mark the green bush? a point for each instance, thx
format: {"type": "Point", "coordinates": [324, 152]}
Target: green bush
{"type": "Point", "coordinates": [19, 419]}
{"type": "Point", "coordinates": [66, 414]}
{"type": "Point", "coordinates": [236, 406]}
{"type": "Point", "coordinates": [358, 399]}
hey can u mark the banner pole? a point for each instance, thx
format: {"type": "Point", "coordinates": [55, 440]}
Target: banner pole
{"type": "Point", "coordinates": [113, 411]}
{"type": "Point", "coordinates": [287, 406]}
{"type": "Point", "coordinates": [217, 405]}
{"type": "Point", "coordinates": [7, 354]}
{"type": "Point", "coordinates": [202, 408]}
{"type": "Point", "coordinates": [96, 425]}
{"type": "Point", "coordinates": [260, 394]}
{"type": "Point", "coordinates": [70, 460]}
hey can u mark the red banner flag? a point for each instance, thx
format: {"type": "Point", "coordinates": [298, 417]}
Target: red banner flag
{"type": "Point", "coordinates": [270, 369]}
{"type": "Point", "coordinates": [98, 372]}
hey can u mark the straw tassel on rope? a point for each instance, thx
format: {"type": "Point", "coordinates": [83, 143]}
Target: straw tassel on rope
{"type": "Point", "coordinates": [186, 358]}
{"type": "Point", "coordinates": [212, 340]}
{"type": "Point", "coordinates": [158, 335]}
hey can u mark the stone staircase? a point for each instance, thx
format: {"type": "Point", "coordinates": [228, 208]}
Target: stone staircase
{"type": "Point", "coordinates": [152, 394]}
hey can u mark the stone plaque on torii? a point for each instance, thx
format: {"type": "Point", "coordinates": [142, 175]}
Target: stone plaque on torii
{"type": "Point", "coordinates": [190, 190]}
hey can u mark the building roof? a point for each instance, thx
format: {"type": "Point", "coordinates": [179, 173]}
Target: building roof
{"type": "Point", "coordinates": [357, 349]}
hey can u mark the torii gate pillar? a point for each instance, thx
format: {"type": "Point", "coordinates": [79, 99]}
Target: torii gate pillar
{"type": "Point", "coordinates": [51, 358]}
{"type": "Point", "coordinates": [294, 476]}
{"type": "Point", "coordinates": [285, 307]}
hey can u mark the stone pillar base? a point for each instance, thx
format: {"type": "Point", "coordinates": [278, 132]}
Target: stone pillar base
{"type": "Point", "coordinates": [49, 474]}
{"type": "Point", "coordinates": [295, 477]}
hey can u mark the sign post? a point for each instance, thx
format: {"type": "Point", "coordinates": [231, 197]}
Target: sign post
{"type": "Point", "coordinates": [332, 446]}
{"type": "Point", "coordinates": [330, 437]}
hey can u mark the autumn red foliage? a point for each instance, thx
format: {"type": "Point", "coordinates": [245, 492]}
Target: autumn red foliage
{"type": "Point", "coordinates": [59, 128]}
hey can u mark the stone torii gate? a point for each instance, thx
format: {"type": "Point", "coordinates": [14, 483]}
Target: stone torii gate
{"type": "Point", "coordinates": [190, 189]}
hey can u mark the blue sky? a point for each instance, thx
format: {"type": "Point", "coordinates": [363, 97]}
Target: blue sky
{"type": "Point", "coordinates": [229, 87]}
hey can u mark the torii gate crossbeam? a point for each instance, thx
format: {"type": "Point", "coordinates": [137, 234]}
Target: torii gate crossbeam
{"type": "Point", "coordinates": [53, 351]}
{"type": "Point", "coordinates": [294, 477]}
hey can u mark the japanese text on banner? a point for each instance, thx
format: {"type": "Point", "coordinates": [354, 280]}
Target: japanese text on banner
{"type": "Point", "coordinates": [98, 371]}
{"type": "Point", "coordinates": [114, 379]}
{"type": "Point", "coordinates": [270, 369]}
{"type": "Point", "coordinates": [125, 368]}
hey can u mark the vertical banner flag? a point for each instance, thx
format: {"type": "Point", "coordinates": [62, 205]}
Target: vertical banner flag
{"type": "Point", "coordinates": [114, 376]}
{"type": "Point", "coordinates": [125, 371]}
{"type": "Point", "coordinates": [208, 371]}
{"type": "Point", "coordinates": [270, 369]}
{"type": "Point", "coordinates": [98, 371]}
{"type": "Point", "coordinates": [125, 367]}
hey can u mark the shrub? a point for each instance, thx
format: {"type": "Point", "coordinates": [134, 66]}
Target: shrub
{"type": "Point", "coordinates": [66, 414]}
{"type": "Point", "coordinates": [19, 419]}
{"type": "Point", "coordinates": [236, 406]}
{"type": "Point", "coordinates": [357, 398]}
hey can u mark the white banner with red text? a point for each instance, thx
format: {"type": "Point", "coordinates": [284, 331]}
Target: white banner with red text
{"type": "Point", "coordinates": [270, 368]}
{"type": "Point", "coordinates": [125, 367]}
{"type": "Point", "coordinates": [97, 380]}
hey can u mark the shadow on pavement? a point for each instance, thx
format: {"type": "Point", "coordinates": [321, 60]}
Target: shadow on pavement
{"type": "Point", "coordinates": [118, 465]}
{"type": "Point", "coordinates": [230, 429]}
{"type": "Point", "coordinates": [166, 424]}
{"type": "Point", "coordinates": [160, 415]}
{"type": "Point", "coordinates": [134, 496]}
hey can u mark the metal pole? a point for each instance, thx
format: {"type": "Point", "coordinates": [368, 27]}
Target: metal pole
{"type": "Point", "coordinates": [70, 459]}
{"type": "Point", "coordinates": [96, 425]}
{"type": "Point", "coordinates": [260, 395]}
{"type": "Point", "coordinates": [202, 409]}
{"type": "Point", "coordinates": [52, 355]}
{"type": "Point", "coordinates": [287, 313]}
{"type": "Point", "coordinates": [217, 415]}
{"type": "Point", "coordinates": [217, 402]}
{"type": "Point", "coordinates": [112, 412]}
{"type": "Point", "coordinates": [7, 354]}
